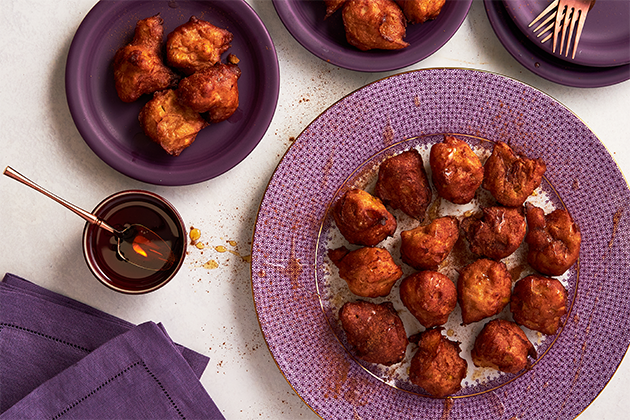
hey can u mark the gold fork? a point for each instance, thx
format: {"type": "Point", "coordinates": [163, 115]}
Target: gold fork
{"type": "Point", "coordinates": [574, 12]}
{"type": "Point", "coordinates": [567, 14]}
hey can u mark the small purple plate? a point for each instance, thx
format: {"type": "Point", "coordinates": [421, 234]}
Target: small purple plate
{"type": "Point", "coordinates": [605, 40]}
{"type": "Point", "coordinates": [111, 128]}
{"type": "Point", "coordinates": [544, 64]}
{"type": "Point", "coordinates": [326, 38]}
{"type": "Point", "coordinates": [411, 110]}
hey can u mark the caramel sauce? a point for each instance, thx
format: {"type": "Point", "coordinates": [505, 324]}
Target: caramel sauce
{"type": "Point", "coordinates": [616, 220]}
{"type": "Point", "coordinates": [448, 405]}
{"type": "Point", "coordinates": [294, 268]}
{"type": "Point", "coordinates": [155, 216]}
{"type": "Point", "coordinates": [388, 134]}
{"type": "Point", "coordinates": [147, 250]}
{"type": "Point", "coordinates": [211, 265]}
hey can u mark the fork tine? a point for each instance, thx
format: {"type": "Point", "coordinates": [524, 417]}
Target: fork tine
{"type": "Point", "coordinates": [552, 16]}
{"type": "Point", "coordinates": [568, 18]}
{"type": "Point", "coordinates": [560, 17]}
{"type": "Point", "coordinates": [548, 28]}
{"type": "Point", "coordinates": [544, 12]}
{"type": "Point", "coordinates": [571, 29]}
{"type": "Point", "coordinates": [578, 34]}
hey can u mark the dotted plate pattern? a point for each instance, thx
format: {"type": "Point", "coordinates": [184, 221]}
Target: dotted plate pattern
{"type": "Point", "coordinates": [411, 108]}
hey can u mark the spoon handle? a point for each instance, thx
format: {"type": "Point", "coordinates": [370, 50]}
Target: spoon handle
{"type": "Point", "coordinates": [12, 173]}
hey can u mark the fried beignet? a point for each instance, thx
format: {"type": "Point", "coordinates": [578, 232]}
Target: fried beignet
{"type": "Point", "coordinates": [483, 289]}
{"type": "Point", "coordinates": [362, 218]}
{"type": "Point", "coordinates": [419, 11]}
{"type": "Point", "coordinates": [554, 240]}
{"type": "Point", "coordinates": [374, 24]}
{"type": "Point", "coordinates": [437, 366]}
{"type": "Point", "coordinates": [375, 331]}
{"type": "Point", "coordinates": [539, 303]}
{"type": "Point", "coordinates": [498, 233]}
{"type": "Point", "coordinates": [213, 90]}
{"type": "Point", "coordinates": [425, 247]}
{"type": "Point", "coordinates": [332, 6]}
{"type": "Point", "coordinates": [457, 172]}
{"type": "Point", "coordinates": [169, 123]}
{"type": "Point", "coordinates": [369, 272]}
{"type": "Point", "coordinates": [502, 345]}
{"type": "Point", "coordinates": [510, 178]}
{"type": "Point", "coordinates": [430, 297]}
{"type": "Point", "coordinates": [138, 66]}
{"type": "Point", "coordinates": [196, 44]}
{"type": "Point", "coordinates": [403, 184]}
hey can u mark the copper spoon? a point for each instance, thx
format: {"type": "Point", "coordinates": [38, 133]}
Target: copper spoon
{"type": "Point", "coordinates": [136, 244]}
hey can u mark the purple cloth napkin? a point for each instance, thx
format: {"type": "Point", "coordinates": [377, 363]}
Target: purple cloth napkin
{"type": "Point", "coordinates": [62, 358]}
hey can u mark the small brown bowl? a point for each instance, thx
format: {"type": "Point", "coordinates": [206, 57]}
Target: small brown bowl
{"type": "Point", "coordinates": [119, 210]}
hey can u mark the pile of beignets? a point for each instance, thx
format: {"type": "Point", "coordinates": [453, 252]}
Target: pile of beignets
{"type": "Point", "coordinates": [483, 288]}
{"type": "Point", "coordinates": [191, 89]}
{"type": "Point", "coordinates": [381, 24]}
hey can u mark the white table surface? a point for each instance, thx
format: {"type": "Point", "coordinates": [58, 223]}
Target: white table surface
{"type": "Point", "coordinates": [210, 310]}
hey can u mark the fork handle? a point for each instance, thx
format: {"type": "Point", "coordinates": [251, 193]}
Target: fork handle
{"type": "Point", "coordinates": [12, 173]}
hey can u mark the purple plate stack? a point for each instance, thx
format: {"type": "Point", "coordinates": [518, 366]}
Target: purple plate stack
{"type": "Point", "coordinates": [603, 54]}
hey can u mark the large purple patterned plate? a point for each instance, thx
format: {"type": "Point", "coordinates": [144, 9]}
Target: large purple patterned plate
{"type": "Point", "coordinates": [110, 127]}
{"type": "Point", "coordinates": [326, 38]}
{"type": "Point", "coordinates": [414, 109]}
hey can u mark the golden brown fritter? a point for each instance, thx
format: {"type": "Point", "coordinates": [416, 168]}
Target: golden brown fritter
{"type": "Point", "coordinates": [539, 303]}
{"type": "Point", "coordinates": [213, 90]}
{"type": "Point", "coordinates": [483, 289]}
{"type": "Point", "coordinates": [374, 24]}
{"type": "Point", "coordinates": [457, 172]}
{"type": "Point", "coordinates": [502, 345]}
{"type": "Point", "coordinates": [437, 366]}
{"type": "Point", "coordinates": [196, 44]}
{"type": "Point", "coordinates": [498, 233]}
{"type": "Point", "coordinates": [369, 272]}
{"type": "Point", "coordinates": [362, 218]}
{"type": "Point", "coordinates": [554, 240]}
{"type": "Point", "coordinates": [138, 66]}
{"type": "Point", "coordinates": [419, 11]}
{"type": "Point", "coordinates": [425, 247]}
{"type": "Point", "coordinates": [375, 331]}
{"type": "Point", "coordinates": [332, 6]}
{"type": "Point", "coordinates": [403, 184]}
{"type": "Point", "coordinates": [510, 178]}
{"type": "Point", "coordinates": [169, 123]}
{"type": "Point", "coordinates": [430, 297]}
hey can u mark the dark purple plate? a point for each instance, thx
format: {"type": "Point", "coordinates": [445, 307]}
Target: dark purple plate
{"type": "Point", "coordinates": [605, 40]}
{"type": "Point", "coordinates": [544, 64]}
{"type": "Point", "coordinates": [110, 127]}
{"type": "Point", "coordinates": [414, 109]}
{"type": "Point", "coordinates": [326, 39]}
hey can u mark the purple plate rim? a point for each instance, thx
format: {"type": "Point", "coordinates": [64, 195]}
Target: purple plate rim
{"type": "Point", "coordinates": [348, 57]}
{"type": "Point", "coordinates": [593, 50]}
{"type": "Point", "coordinates": [167, 170]}
{"type": "Point", "coordinates": [569, 378]}
{"type": "Point", "coordinates": [546, 65]}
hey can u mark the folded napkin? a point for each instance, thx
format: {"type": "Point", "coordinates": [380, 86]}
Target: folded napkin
{"type": "Point", "coordinates": [61, 358]}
